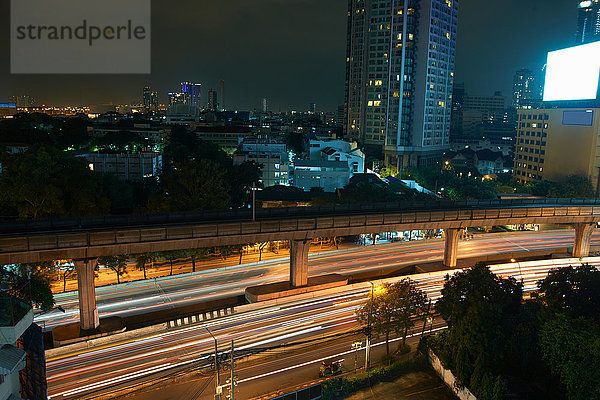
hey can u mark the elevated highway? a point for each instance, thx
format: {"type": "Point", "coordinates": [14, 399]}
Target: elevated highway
{"type": "Point", "coordinates": [85, 239]}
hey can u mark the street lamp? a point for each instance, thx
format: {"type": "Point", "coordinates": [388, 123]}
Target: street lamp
{"type": "Point", "coordinates": [254, 189]}
{"type": "Point", "coordinates": [217, 383]}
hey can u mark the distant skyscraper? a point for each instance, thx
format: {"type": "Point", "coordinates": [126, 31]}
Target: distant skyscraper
{"type": "Point", "coordinates": [265, 106]}
{"type": "Point", "coordinates": [146, 97]}
{"type": "Point", "coordinates": [588, 24]}
{"type": "Point", "coordinates": [23, 101]}
{"type": "Point", "coordinates": [179, 98]}
{"type": "Point", "coordinates": [213, 102]}
{"type": "Point", "coordinates": [150, 99]}
{"type": "Point", "coordinates": [222, 92]}
{"type": "Point", "coordinates": [525, 92]}
{"type": "Point", "coordinates": [153, 100]}
{"type": "Point", "coordinates": [193, 91]}
{"type": "Point", "coordinates": [313, 108]}
{"type": "Point", "coordinates": [399, 77]}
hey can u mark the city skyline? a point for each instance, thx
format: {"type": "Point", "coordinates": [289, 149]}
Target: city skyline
{"type": "Point", "coordinates": [232, 36]}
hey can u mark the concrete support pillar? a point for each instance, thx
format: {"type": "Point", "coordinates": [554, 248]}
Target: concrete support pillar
{"type": "Point", "coordinates": [299, 262]}
{"type": "Point", "coordinates": [451, 249]}
{"type": "Point", "coordinates": [583, 238]}
{"type": "Point", "coordinates": [88, 313]}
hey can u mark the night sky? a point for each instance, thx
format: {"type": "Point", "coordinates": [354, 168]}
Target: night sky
{"type": "Point", "coordinates": [292, 51]}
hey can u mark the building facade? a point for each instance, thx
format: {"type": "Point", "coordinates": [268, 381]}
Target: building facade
{"type": "Point", "coordinates": [588, 22]}
{"type": "Point", "coordinates": [555, 143]}
{"type": "Point", "coordinates": [399, 78]}
{"type": "Point", "coordinates": [127, 167]}
{"type": "Point", "coordinates": [179, 98]}
{"type": "Point", "coordinates": [194, 93]}
{"type": "Point", "coordinates": [525, 92]}
{"type": "Point", "coordinates": [271, 154]}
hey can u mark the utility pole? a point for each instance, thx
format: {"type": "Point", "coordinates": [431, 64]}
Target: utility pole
{"type": "Point", "coordinates": [217, 383]}
{"type": "Point", "coordinates": [253, 201]}
{"type": "Point", "coordinates": [368, 346]}
{"type": "Point", "coordinates": [426, 319]}
{"type": "Point", "coordinates": [232, 378]}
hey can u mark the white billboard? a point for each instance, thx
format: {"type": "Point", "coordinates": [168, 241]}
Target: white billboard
{"type": "Point", "coordinates": [573, 73]}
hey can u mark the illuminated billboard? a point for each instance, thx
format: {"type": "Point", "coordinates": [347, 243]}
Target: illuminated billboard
{"type": "Point", "coordinates": [573, 73]}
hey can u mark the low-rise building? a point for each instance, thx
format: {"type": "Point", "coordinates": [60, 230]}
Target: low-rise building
{"type": "Point", "coordinates": [226, 137]}
{"type": "Point", "coordinates": [271, 154]}
{"type": "Point", "coordinates": [128, 167]}
{"type": "Point", "coordinates": [7, 110]}
{"type": "Point", "coordinates": [328, 175]}
{"type": "Point", "coordinates": [330, 166]}
{"type": "Point", "coordinates": [154, 133]}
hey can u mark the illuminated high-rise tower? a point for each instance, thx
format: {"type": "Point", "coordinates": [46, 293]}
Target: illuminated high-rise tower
{"type": "Point", "coordinates": [193, 91]}
{"type": "Point", "coordinates": [588, 23]}
{"type": "Point", "coordinates": [399, 77]}
{"type": "Point", "coordinates": [525, 91]}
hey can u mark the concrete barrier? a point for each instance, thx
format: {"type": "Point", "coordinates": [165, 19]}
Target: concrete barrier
{"type": "Point", "coordinates": [449, 379]}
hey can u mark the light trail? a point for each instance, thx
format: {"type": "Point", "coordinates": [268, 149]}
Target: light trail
{"type": "Point", "coordinates": [83, 373]}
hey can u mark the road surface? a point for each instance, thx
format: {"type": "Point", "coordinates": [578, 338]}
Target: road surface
{"type": "Point", "coordinates": [91, 372]}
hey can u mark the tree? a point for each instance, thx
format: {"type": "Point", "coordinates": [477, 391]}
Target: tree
{"type": "Point", "coordinates": [572, 349]}
{"type": "Point", "coordinates": [171, 255]}
{"type": "Point", "coordinates": [295, 142]}
{"type": "Point", "coordinates": [195, 254]}
{"type": "Point", "coordinates": [44, 182]}
{"type": "Point", "coordinates": [142, 260]}
{"type": "Point", "coordinates": [475, 285]}
{"type": "Point", "coordinates": [41, 292]}
{"type": "Point", "coordinates": [392, 309]}
{"type": "Point", "coordinates": [573, 186]}
{"type": "Point", "coordinates": [118, 264]}
{"type": "Point", "coordinates": [197, 186]}
{"type": "Point", "coordinates": [67, 271]}
{"type": "Point", "coordinates": [40, 275]}
{"type": "Point", "coordinates": [573, 291]}
{"type": "Point", "coordinates": [241, 178]}
{"type": "Point", "coordinates": [482, 311]}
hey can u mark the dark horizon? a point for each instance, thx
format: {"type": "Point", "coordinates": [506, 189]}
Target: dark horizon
{"type": "Point", "coordinates": [293, 53]}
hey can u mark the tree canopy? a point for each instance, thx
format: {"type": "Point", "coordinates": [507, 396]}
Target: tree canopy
{"type": "Point", "coordinates": [393, 308]}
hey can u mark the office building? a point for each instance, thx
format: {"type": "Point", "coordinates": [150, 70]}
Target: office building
{"type": "Point", "coordinates": [23, 102]}
{"type": "Point", "coordinates": [150, 99]}
{"type": "Point", "coordinates": [271, 154]}
{"type": "Point", "coordinates": [588, 22]}
{"type": "Point", "coordinates": [194, 93]}
{"type": "Point", "coordinates": [525, 92]}
{"type": "Point", "coordinates": [227, 137]}
{"type": "Point", "coordinates": [179, 98]}
{"type": "Point", "coordinates": [477, 116]}
{"type": "Point", "coordinates": [555, 143]}
{"type": "Point", "coordinates": [399, 78]}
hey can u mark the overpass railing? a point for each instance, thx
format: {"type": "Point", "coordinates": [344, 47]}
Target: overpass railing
{"type": "Point", "coordinates": [237, 215]}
